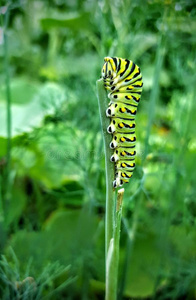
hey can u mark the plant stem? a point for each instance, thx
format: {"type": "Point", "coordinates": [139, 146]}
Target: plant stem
{"type": "Point", "coordinates": [112, 218]}
{"type": "Point", "coordinates": [110, 203]}
{"type": "Point", "coordinates": [8, 99]}
{"type": "Point", "coordinates": [113, 253]}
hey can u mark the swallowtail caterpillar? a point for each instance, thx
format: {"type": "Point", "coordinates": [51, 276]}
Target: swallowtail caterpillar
{"type": "Point", "coordinates": [123, 82]}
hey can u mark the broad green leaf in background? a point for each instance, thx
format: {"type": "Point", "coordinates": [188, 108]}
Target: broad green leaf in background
{"type": "Point", "coordinates": [16, 206]}
{"type": "Point", "coordinates": [30, 104]}
{"type": "Point", "coordinates": [72, 66]}
{"type": "Point", "coordinates": [63, 239]}
{"type": "Point", "coordinates": [143, 266]}
{"type": "Point", "coordinates": [74, 22]}
{"type": "Point", "coordinates": [22, 91]}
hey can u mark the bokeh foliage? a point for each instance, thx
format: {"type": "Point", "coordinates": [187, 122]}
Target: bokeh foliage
{"type": "Point", "coordinates": [52, 178]}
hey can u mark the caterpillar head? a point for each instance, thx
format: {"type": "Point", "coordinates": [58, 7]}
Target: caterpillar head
{"type": "Point", "coordinates": [107, 71]}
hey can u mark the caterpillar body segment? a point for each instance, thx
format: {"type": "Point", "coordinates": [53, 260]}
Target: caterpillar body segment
{"type": "Point", "coordinates": [122, 154]}
{"type": "Point", "coordinates": [121, 125]}
{"type": "Point", "coordinates": [126, 165]}
{"type": "Point", "coordinates": [128, 99]}
{"type": "Point", "coordinates": [120, 110]}
{"type": "Point", "coordinates": [123, 141]}
{"type": "Point", "coordinates": [123, 81]}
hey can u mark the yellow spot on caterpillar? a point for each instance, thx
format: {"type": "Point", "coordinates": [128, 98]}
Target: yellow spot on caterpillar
{"type": "Point", "coordinates": [123, 175]}
{"type": "Point", "coordinates": [132, 153]}
{"type": "Point", "coordinates": [122, 139]}
{"type": "Point", "coordinates": [123, 109]}
{"type": "Point", "coordinates": [123, 153]}
{"type": "Point", "coordinates": [132, 165]}
{"type": "Point", "coordinates": [121, 125]}
{"type": "Point", "coordinates": [123, 165]}
{"type": "Point", "coordinates": [131, 125]}
{"type": "Point", "coordinates": [133, 111]}
{"type": "Point", "coordinates": [132, 139]}
{"type": "Point", "coordinates": [129, 176]}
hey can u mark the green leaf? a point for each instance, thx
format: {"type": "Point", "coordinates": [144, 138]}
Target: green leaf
{"type": "Point", "coordinates": [22, 91]}
{"type": "Point", "coordinates": [16, 206]}
{"type": "Point", "coordinates": [76, 22]}
{"type": "Point", "coordinates": [63, 239]}
{"type": "Point", "coordinates": [143, 266]}
{"type": "Point", "coordinates": [29, 110]}
{"type": "Point", "coordinates": [73, 66]}
{"type": "Point", "coordinates": [183, 239]}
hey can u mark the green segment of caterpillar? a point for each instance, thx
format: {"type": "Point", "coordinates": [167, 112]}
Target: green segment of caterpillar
{"type": "Point", "coordinates": [123, 81]}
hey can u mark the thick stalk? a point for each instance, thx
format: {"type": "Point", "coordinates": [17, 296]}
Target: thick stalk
{"type": "Point", "coordinates": [7, 84]}
{"type": "Point", "coordinates": [109, 215]}
{"type": "Point", "coordinates": [112, 218]}
{"type": "Point", "coordinates": [8, 108]}
{"type": "Point", "coordinates": [113, 253]}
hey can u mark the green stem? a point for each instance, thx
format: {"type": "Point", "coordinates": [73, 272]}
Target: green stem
{"type": "Point", "coordinates": [113, 219]}
{"type": "Point", "coordinates": [53, 46]}
{"type": "Point", "coordinates": [109, 216]}
{"type": "Point", "coordinates": [8, 98]}
{"type": "Point", "coordinates": [1, 203]}
{"type": "Point", "coordinates": [7, 83]}
{"type": "Point", "coordinates": [113, 253]}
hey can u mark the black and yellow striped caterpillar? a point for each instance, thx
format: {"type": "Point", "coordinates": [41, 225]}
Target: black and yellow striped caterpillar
{"type": "Point", "coordinates": [123, 81]}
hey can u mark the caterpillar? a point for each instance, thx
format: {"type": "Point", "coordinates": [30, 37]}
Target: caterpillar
{"type": "Point", "coordinates": [123, 82]}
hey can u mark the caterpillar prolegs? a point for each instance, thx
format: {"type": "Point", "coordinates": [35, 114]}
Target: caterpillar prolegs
{"type": "Point", "coordinates": [123, 81]}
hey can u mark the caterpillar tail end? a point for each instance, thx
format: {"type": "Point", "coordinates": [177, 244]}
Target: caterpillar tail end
{"type": "Point", "coordinates": [118, 182]}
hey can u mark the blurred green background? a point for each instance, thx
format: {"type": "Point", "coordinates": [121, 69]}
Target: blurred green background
{"type": "Point", "coordinates": [52, 174]}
